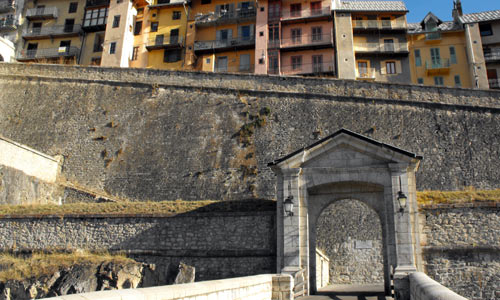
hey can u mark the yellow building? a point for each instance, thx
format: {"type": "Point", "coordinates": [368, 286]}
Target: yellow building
{"type": "Point", "coordinates": [221, 36]}
{"type": "Point", "coordinates": [165, 34]}
{"type": "Point", "coordinates": [52, 31]}
{"type": "Point", "coordinates": [438, 53]}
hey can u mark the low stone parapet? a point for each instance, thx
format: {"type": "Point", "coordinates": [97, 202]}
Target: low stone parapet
{"type": "Point", "coordinates": [259, 287]}
{"type": "Point", "coordinates": [422, 287]}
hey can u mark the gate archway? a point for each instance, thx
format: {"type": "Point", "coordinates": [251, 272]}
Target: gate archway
{"type": "Point", "coordinates": [347, 165]}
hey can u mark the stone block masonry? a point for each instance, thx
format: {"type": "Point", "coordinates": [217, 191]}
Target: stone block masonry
{"type": "Point", "coordinates": [218, 245]}
{"type": "Point", "coordinates": [157, 135]}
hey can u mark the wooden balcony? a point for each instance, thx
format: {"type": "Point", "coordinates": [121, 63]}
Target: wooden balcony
{"type": "Point", "coordinates": [234, 69]}
{"type": "Point", "coordinates": [48, 53]}
{"type": "Point", "coordinates": [381, 48]}
{"type": "Point", "coordinates": [291, 16]}
{"type": "Point", "coordinates": [379, 25]}
{"type": "Point", "coordinates": [224, 45]}
{"type": "Point", "coordinates": [492, 55]}
{"type": "Point", "coordinates": [226, 17]}
{"type": "Point", "coordinates": [164, 42]}
{"type": "Point", "coordinates": [437, 67]}
{"type": "Point", "coordinates": [307, 42]}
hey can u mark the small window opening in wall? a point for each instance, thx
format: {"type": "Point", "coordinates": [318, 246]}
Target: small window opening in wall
{"type": "Point", "coordinates": [262, 9]}
{"type": "Point", "coordinates": [135, 53]}
{"type": "Point", "coordinates": [207, 61]}
{"type": "Point", "coordinates": [73, 7]}
{"type": "Point", "coordinates": [261, 61]}
{"type": "Point", "coordinates": [261, 33]}
{"type": "Point", "coordinates": [176, 15]}
{"type": "Point", "coordinates": [420, 80]}
{"type": "Point", "coordinates": [112, 48]}
{"type": "Point", "coordinates": [116, 21]}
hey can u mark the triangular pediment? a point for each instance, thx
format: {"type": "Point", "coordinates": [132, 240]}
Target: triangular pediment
{"type": "Point", "coordinates": [344, 149]}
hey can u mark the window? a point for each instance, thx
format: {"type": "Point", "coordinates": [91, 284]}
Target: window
{"type": "Point", "coordinates": [261, 33]}
{"type": "Point", "coordinates": [317, 63]}
{"type": "Point", "coordinates": [206, 1]}
{"type": "Point", "coordinates": [435, 57]}
{"type": "Point", "coordinates": [315, 8]}
{"type": "Point", "coordinates": [245, 32]}
{"type": "Point", "coordinates": [386, 22]}
{"type": "Point", "coordinates": [73, 7]}
{"type": "Point", "coordinates": [245, 62]}
{"type": "Point", "coordinates": [159, 39]}
{"type": "Point", "coordinates": [420, 80]}
{"type": "Point", "coordinates": [274, 34]}
{"type": "Point", "coordinates": [453, 55]}
{"type": "Point", "coordinates": [135, 53]}
{"type": "Point", "coordinates": [174, 36]}
{"type": "Point", "coordinates": [31, 49]}
{"type": "Point", "coordinates": [221, 65]}
{"type": "Point", "coordinates": [389, 45]}
{"type": "Point", "coordinates": [138, 27]}
{"type": "Point", "coordinates": [112, 48]}
{"type": "Point", "coordinates": [116, 21]}
{"type": "Point", "coordinates": [296, 62]}
{"type": "Point", "coordinates": [390, 67]}
{"type": "Point", "coordinates": [95, 17]}
{"type": "Point", "coordinates": [317, 33]}
{"type": "Point", "coordinates": [68, 25]}
{"type": "Point", "coordinates": [176, 15]}
{"type": "Point", "coordinates": [98, 41]}
{"type": "Point", "coordinates": [37, 28]}
{"type": "Point", "coordinates": [224, 34]}
{"type": "Point", "coordinates": [64, 46]}
{"type": "Point", "coordinates": [172, 55]}
{"type": "Point", "coordinates": [295, 9]}
{"type": "Point", "coordinates": [438, 80]}
{"type": "Point", "coordinates": [485, 29]}
{"type": "Point", "coordinates": [362, 69]}
{"type": "Point", "coordinates": [163, 1]}
{"type": "Point", "coordinates": [296, 35]}
{"type": "Point", "coordinates": [95, 61]}
{"type": "Point", "coordinates": [418, 58]}
{"type": "Point", "coordinates": [458, 83]}
{"type": "Point", "coordinates": [154, 26]}
{"type": "Point", "coordinates": [273, 11]}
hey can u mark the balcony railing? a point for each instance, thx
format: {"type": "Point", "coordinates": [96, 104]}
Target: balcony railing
{"type": "Point", "coordinates": [40, 13]}
{"type": "Point", "coordinates": [310, 68]}
{"type": "Point", "coordinates": [7, 5]}
{"type": "Point", "coordinates": [366, 73]}
{"type": "Point", "coordinates": [381, 47]}
{"type": "Point", "coordinates": [307, 40]}
{"type": "Point", "coordinates": [305, 13]}
{"type": "Point", "coordinates": [437, 64]}
{"type": "Point", "coordinates": [226, 16]}
{"type": "Point", "coordinates": [228, 43]}
{"type": "Point", "coordinates": [379, 24]}
{"type": "Point", "coordinates": [492, 55]}
{"type": "Point", "coordinates": [8, 24]}
{"type": "Point", "coordinates": [164, 42]}
{"type": "Point", "coordinates": [235, 69]}
{"type": "Point", "coordinates": [432, 36]}
{"type": "Point", "coordinates": [48, 53]}
{"type": "Point", "coordinates": [494, 83]}
{"type": "Point", "coordinates": [57, 30]}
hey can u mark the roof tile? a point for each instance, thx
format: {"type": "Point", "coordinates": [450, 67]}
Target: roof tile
{"type": "Point", "coordinates": [372, 6]}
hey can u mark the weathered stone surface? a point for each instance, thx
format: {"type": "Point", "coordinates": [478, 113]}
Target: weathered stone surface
{"type": "Point", "coordinates": [340, 230]}
{"type": "Point", "coordinates": [186, 274]}
{"type": "Point", "coordinates": [198, 135]}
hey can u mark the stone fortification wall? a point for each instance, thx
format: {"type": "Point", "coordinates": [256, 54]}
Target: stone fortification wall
{"type": "Point", "coordinates": [218, 245]}
{"type": "Point", "coordinates": [157, 135]}
{"type": "Point", "coordinates": [461, 248]}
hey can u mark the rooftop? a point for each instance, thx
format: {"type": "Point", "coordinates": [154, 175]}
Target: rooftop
{"type": "Point", "coordinates": [481, 16]}
{"type": "Point", "coordinates": [375, 6]}
{"type": "Point", "coordinates": [444, 26]}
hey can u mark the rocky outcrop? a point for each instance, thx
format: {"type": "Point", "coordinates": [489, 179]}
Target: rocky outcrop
{"type": "Point", "coordinates": [90, 277]}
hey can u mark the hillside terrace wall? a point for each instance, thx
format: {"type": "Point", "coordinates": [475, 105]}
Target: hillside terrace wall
{"type": "Point", "coordinates": [157, 135]}
{"type": "Point", "coordinates": [218, 245]}
{"type": "Point", "coordinates": [461, 248]}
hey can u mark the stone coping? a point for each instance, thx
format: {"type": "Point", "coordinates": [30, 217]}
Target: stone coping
{"type": "Point", "coordinates": [422, 287]}
{"type": "Point", "coordinates": [492, 205]}
{"type": "Point", "coordinates": [24, 147]}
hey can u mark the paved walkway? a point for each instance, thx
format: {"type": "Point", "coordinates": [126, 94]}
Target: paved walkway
{"type": "Point", "coordinates": [349, 292]}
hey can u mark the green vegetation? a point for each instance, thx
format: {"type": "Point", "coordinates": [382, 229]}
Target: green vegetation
{"type": "Point", "coordinates": [469, 195]}
{"type": "Point", "coordinates": [43, 264]}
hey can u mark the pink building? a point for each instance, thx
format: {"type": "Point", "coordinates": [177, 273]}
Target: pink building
{"type": "Point", "coordinates": [294, 38]}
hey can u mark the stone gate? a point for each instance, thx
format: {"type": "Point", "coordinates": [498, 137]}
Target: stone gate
{"type": "Point", "coordinates": [346, 165]}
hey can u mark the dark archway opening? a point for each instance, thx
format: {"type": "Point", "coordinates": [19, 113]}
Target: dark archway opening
{"type": "Point", "coordinates": [1, 58]}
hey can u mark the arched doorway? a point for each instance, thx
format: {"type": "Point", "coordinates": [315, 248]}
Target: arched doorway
{"type": "Point", "coordinates": [349, 236]}
{"type": "Point", "coordinates": [347, 165]}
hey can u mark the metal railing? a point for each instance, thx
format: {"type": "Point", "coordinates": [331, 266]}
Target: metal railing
{"type": "Point", "coordinates": [381, 47]}
{"type": "Point", "coordinates": [307, 40]}
{"type": "Point", "coordinates": [7, 5]}
{"type": "Point", "coordinates": [287, 14]}
{"type": "Point", "coordinates": [309, 68]}
{"type": "Point", "coordinates": [437, 64]}
{"type": "Point", "coordinates": [48, 53]}
{"type": "Point", "coordinates": [165, 41]}
{"type": "Point", "coordinates": [378, 24]}
{"type": "Point", "coordinates": [494, 83]}
{"type": "Point", "coordinates": [217, 44]}
{"type": "Point", "coordinates": [226, 16]}
{"type": "Point", "coordinates": [366, 73]}
{"type": "Point", "coordinates": [6, 24]}
{"type": "Point", "coordinates": [492, 55]}
{"type": "Point", "coordinates": [433, 36]}
{"type": "Point", "coordinates": [235, 69]}
{"type": "Point", "coordinates": [41, 12]}
{"type": "Point", "coordinates": [52, 30]}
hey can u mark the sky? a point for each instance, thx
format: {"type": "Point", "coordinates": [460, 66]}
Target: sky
{"type": "Point", "coordinates": [442, 8]}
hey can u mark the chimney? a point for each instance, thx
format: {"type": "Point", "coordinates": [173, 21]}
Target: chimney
{"type": "Point", "coordinates": [457, 11]}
